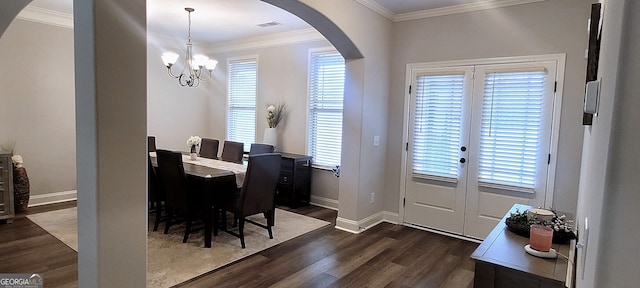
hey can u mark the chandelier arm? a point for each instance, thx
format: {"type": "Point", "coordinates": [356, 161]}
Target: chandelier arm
{"type": "Point", "coordinates": [171, 73]}
{"type": "Point", "coordinates": [182, 83]}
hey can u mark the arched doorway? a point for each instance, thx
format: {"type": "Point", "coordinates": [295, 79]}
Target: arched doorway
{"type": "Point", "coordinates": [109, 221]}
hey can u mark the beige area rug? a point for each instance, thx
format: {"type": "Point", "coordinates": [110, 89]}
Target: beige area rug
{"type": "Point", "coordinates": [170, 261]}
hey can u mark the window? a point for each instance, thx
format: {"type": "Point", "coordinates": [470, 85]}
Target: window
{"type": "Point", "coordinates": [241, 112]}
{"type": "Point", "coordinates": [326, 92]}
{"type": "Point", "coordinates": [438, 125]}
{"type": "Point", "coordinates": [511, 129]}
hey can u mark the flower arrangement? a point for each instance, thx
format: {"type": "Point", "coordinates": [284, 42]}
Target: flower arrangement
{"type": "Point", "coordinates": [17, 160]}
{"type": "Point", "coordinates": [192, 142]}
{"type": "Point", "coordinates": [519, 223]}
{"type": "Point", "coordinates": [275, 113]}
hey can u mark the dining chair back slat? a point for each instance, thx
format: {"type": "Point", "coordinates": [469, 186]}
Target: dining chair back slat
{"type": "Point", "coordinates": [232, 151]}
{"type": "Point", "coordinates": [209, 148]}
{"type": "Point", "coordinates": [151, 143]}
{"type": "Point", "coordinates": [257, 148]}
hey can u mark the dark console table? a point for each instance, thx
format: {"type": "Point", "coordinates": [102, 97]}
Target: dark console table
{"type": "Point", "coordinates": [294, 183]}
{"type": "Point", "coordinates": [502, 262]}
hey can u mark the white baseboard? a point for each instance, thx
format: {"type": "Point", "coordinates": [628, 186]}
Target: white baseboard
{"type": "Point", "coordinates": [357, 227]}
{"type": "Point", "coordinates": [324, 202]}
{"type": "Point", "coordinates": [51, 198]}
{"type": "Point", "coordinates": [461, 237]}
{"type": "Point", "coordinates": [347, 225]}
{"type": "Point", "coordinates": [391, 217]}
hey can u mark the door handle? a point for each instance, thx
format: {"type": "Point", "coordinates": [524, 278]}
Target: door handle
{"type": "Point", "coordinates": [462, 160]}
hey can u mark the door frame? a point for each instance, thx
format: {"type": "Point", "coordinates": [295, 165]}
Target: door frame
{"type": "Point", "coordinates": [559, 58]}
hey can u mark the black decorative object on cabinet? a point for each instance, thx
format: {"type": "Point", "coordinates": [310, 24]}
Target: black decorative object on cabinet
{"type": "Point", "coordinates": [294, 182]}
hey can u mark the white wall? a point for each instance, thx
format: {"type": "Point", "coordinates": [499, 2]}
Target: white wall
{"type": "Point", "coordinates": [366, 92]}
{"type": "Point", "coordinates": [37, 102]}
{"type": "Point", "coordinates": [554, 26]}
{"type": "Point", "coordinates": [280, 79]}
{"type": "Point", "coordinates": [174, 112]}
{"type": "Point", "coordinates": [111, 123]}
{"type": "Point", "coordinates": [609, 186]}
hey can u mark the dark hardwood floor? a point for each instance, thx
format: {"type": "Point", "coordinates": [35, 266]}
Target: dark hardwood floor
{"type": "Point", "coordinates": [384, 256]}
{"type": "Point", "coordinates": [27, 248]}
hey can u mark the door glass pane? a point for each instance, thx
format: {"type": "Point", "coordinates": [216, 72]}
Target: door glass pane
{"type": "Point", "coordinates": [437, 125]}
{"type": "Point", "coordinates": [512, 116]}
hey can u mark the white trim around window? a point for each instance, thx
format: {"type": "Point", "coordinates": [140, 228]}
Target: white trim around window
{"type": "Point", "coordinates": [322, 161]}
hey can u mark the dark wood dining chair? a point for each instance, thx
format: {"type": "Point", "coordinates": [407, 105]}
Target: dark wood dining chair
{"type": "Point", "coordinates": [232, 151]}
{"type": "Point", "coordinates": [209, 148]}
{"type": "Point", "coordinates": [180, 197]}
{"type": "Point", "coordinates": [257, 148]}
{"type": "Point", "coordinates": [156, 195]}
{"type": "Point", "coordinates": [256, 195]}
{"type": "Point", "coordinates": [151, 143]}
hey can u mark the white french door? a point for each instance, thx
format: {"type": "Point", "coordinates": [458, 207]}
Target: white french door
{"type": "Point", "coordinates": [478, 142]}
{"type": "Point", "coordinates": [440, 118]}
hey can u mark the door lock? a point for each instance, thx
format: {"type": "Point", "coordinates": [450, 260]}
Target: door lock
{"type": "Point", "coordinates": [463, 148]}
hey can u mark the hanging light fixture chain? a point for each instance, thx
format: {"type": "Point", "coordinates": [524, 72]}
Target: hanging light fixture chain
{"type": "Point", "coordinates": [189, 30]}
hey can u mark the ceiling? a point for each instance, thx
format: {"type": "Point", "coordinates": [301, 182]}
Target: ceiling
{"type": "Point", "coordinates": [224, 20]}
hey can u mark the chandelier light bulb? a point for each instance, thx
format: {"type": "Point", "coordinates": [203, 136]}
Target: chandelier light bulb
{"type": "Point", "coordinates": [169, 58]}
{"type": "Point", "coordinates": [211, 64]}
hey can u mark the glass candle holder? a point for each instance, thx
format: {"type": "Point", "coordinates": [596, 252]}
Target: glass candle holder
{"type": "Point", "coordinates": [540, 237]}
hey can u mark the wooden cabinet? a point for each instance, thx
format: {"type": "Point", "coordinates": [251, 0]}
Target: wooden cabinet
{"type": "Point", "coordinates": [6, 187]}
{"type": "Point", "coordinates": [502, 262]}
{"type": "Point", "coordinates": [294, 183]}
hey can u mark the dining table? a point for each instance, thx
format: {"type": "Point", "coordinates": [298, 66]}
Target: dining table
{"type": "Point", "coordinates": [214, 179]}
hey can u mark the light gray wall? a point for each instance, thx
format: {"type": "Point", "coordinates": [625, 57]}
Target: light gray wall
{"type": "Point", "coordinates": [366, 91]}
{"type": "Point", "coordinates": [9, 11]}
{"type": "Point", "coordinates": [619, 253]}
{"type": "Point", "coordinates": [609, 187]}
{"type": "Point", "coordinates": [37, 102]}
{"type": "Point", "coordinates": [282, 76]}
{"type": "Point", "coordinates": [554, 26]}
{"type": "Point", "coordinates": [111, 124]}
{"type": "Point", "coordinates": [280, 79]}
{"type": "Point", "coordinates": [174, 112]}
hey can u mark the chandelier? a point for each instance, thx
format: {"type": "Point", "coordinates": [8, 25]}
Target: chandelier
{"type": "Point", "coordinates": [192, 68]}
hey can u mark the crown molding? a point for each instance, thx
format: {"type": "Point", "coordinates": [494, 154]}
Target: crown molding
{"type": "Point", "coordinates": [375, 7]}
{"type": "Point", "coordinates": [463, 8]}
{"type": "Point", "coordinates": [269, 40]}
{"type": "Point", "coordinates": [46, 16]}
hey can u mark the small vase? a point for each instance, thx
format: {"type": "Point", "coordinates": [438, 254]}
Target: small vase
{"type": "Point", "coordinates": [270, 137]}
{"type": "Point", "coordinates": [193, 154]}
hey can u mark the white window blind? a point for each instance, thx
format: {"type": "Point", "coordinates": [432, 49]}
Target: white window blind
{"type": "Point", "coordinates": [241, 112]}
{"type": "Point", "coordinates": [326, 92]}
{"type": "Point", "coordinates": [437, 125]}
{"type": "Point", "coordinates": [512, 117]}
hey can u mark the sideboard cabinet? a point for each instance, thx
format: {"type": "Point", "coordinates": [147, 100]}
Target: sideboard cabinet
{"type": "Point", "coordinates": [294, 183]}
{"type": "Point", "coordinates": [501, 261]}
{"type": "Point", "coordinates": [6, 187]}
